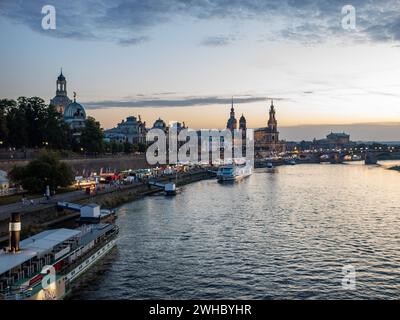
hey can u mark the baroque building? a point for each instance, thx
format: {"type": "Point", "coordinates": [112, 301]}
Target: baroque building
{"type": "Point", "coordinates": [267, 139]}
{"type": "Point", "coordinates": [61, 100]}
{"type": "Point", "coordinates": [131, 130]}
{"type": "Point", "coordinates": [73, 112]}
{"type": "Point", "coordinates": [232, 122]}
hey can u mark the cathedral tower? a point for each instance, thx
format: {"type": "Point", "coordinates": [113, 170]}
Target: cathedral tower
{"type": "Point", "coordinates": [61, 100]}
{"type": "Point", "coordinates": [232, 122]}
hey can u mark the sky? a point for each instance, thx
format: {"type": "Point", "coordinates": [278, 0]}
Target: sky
{"type": "Point", "coordinates": [183, 60]}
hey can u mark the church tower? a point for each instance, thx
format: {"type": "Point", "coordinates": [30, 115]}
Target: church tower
{"type": "Point", "coordinates": [272, 123]}
{"type": "Point", "coordinates": [273, 134]}
{"type": "Point", "coordinates": [61, 100]}
{"type": "Point", "coordinates": [242, 123]}
{"type": "Point", "coordinates": [61, 85]}
{"type": "Point", "coordinates": [232, 122]}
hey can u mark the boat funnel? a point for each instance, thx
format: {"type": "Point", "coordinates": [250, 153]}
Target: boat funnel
{"type": "Point", "coordinates": [15, 232]}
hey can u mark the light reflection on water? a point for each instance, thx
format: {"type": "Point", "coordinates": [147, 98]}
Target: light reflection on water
{"type": "Point", "coordinates": [283, 233]}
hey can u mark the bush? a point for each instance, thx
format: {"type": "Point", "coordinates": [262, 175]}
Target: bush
{"type": "Point", "coordinates": [46, 170]}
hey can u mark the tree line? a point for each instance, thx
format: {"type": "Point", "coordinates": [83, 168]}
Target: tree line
{"type": "Point", "coordinates": [31, 123]}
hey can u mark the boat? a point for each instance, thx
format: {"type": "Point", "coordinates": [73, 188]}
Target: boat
{"type": "Point", "coordinates": [291, 162]}
{"type": "Point", "coordinates": [44, 266]}
{"type": "Point", "coordinates": [170, 189]}
{"type": "Point", "coordinates": [233, 172]}
{"type": "Point", "coordinates": [270, 165]}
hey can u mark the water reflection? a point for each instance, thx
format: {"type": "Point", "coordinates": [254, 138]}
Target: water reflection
{"type": "Point", "coordinates": [282, 233]}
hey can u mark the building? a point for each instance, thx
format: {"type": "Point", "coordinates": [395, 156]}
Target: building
{"type": "Point", "coordinates": [232, 122]}
{"type": "Point", "coordinates": [75, 116]}
{"type": "Point", "coordinates": [61, 100]}
{"type": "Point", "coordinates": [160, 124]}
{"type": "Point", "coordinates": [133, 130]}
{"type": "Point", "coordinates": [267, 139]}
{"type": "Point", "coordinates": [73, 112]}
{"type": "Point", "coordinates": [242, 123]}
{"type": "Point", "coordinates": [334, 141]}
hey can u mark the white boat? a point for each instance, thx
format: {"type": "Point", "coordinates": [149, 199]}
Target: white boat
{"type": "Point", "coordinates": [44, 266]}
{"type": "Point", "coordinates": [234, 172]}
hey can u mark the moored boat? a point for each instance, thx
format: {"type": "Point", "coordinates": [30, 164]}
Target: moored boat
{"type": "Point", "coordinates": [43, 266]}
{"type": "Point", "coordinates": [234, 172]}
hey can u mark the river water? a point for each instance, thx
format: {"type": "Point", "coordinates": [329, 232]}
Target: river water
{"type": "Point", "coordinates": [284, 233]}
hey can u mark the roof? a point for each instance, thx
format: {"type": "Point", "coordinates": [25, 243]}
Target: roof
{"type": "Point", "coordinates": [94, 231]}
{"type": "Point", "coordinates": [344, 135]}
{"type": "Point", "coordinates": [74, 110]}
{"type": "Point", "coordinates": [91, 205]}
{"type": "Point", "coordinates": [33, 246]}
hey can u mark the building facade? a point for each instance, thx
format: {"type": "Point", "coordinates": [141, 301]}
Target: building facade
{"type": "Point", "coordinates": [266, 139]}
{"type": "Point", "coordinates": [73, 112]}
{"type": "Point", "coordinates": [334, 141]}
{"type": "Point", "coordinates": [232, 122]}
{"type": "Point", "coordinates": [131, 130]}
{"type": "Point", "coordinates": [61, 100]}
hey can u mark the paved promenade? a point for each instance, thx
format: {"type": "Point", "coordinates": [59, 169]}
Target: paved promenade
{"type": "Point", "coordinates": [42, 203]}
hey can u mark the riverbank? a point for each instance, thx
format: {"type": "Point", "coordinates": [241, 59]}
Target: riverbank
{"type": "Point", "coordinates": [36, 219]}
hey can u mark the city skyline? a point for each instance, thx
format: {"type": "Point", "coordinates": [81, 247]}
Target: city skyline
{"type": "Point", "coordinates": [319, 74]}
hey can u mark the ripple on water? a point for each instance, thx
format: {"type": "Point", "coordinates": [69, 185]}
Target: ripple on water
{"type": "Point", "coordinates": [284, 234]}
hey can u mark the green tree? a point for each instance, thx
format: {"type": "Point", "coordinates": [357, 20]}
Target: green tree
{"type": "Point", "coordinates": [16, 124]}
{"type": "Point", "coordinates": [128, 147]}
{"type": "Point", "coordinates": [114, 147]}
{"type": "Point", "coordinates": [56, 133]}
{"type": "Point", "coordinates": [36, 112]}
{"type": "Point", "coordinates": [92, 137]}
{"type": "Point", "coordinates": [46, 170]}
{"type": "Point", "coordinates": [141, 147]}
{"type": "Point", "coordinates": [4, 106]}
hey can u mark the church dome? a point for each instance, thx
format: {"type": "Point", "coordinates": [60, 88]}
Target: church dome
{"type": "Point", "coordinates": [159, 124]}
{"type": "Point", "coordinates": [75, 111]}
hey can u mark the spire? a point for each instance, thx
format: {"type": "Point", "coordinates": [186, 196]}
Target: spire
{"type": "Point", "coordinates": [74, 96]}
{"type": "Point", "coordinates": [232, 109]}
{"type": "Point", "coordinates": [61, 72]}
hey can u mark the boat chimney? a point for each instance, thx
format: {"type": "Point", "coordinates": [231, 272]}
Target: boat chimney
{"type": "Point", "coordinates": [14, 231]}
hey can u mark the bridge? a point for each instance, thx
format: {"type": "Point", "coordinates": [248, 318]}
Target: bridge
{"type": "Point", "coordinates": [337, 157]}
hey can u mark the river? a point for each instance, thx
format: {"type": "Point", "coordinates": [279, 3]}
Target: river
{"type": "Point", "coordinates": [284, 233]}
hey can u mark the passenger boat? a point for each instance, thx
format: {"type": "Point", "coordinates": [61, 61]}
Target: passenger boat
{"type": "Point", "coordinates": [234, 172]}
{"type": "Point", "coordinates": [44, 266]}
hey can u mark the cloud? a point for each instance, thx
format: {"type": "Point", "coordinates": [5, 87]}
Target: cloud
{"type": "Point", "coordinates": [132, 41]}
{"type": "Point", "coordinates": [218, 41]}
{"type": "Point", "coordinates": [153, 102]}
{"type": "Point", "coordinates": [127, 22]}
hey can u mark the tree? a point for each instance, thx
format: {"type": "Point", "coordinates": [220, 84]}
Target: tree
{"type": "Point", "coordinates": [57, 133]}
{"type": "Point", "coordinates": [16, 125]}
{"type": "Point", "coordinates": [141, 147]}
{"type": "Point", "coordinates": [128, 147]}
{"type": "Point", "coordinates": [92, 137]}
{"type": "Point", "coordinates": [46, 170]}
{"type": "Point", "coordinates": [4, 106]}
{"type": "Point", "coordinates": [35, 111]}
